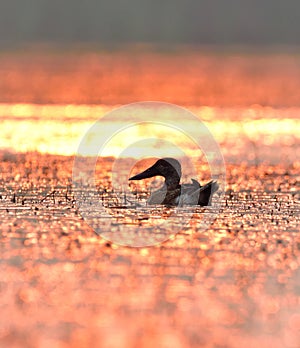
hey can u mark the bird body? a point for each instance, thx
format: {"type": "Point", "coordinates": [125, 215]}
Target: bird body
{"type": "Point", "coordinates": [172, 193]}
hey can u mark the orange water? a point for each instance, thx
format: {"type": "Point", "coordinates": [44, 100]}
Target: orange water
{"type": "Point", "coordinates": [248, 100]}
{"type": "Point", "coordinates": [235, 284]}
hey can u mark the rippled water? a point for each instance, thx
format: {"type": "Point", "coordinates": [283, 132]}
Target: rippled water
{"type": "Point", "coordinates": [235, 284]}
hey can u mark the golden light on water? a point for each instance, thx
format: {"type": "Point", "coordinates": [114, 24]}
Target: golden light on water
{"type": "Point", "coordinates": [58, 129]}
{"type": "Point", "coordinates": [234, 284]}
{"type": "Point", "coordinates": [52, 111]}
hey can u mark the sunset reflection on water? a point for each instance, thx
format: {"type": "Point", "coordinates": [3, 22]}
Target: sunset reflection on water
{"type": "Point", "coordinates": [234, 284]}
{"type": "Point", "coordinates": [58, 129]}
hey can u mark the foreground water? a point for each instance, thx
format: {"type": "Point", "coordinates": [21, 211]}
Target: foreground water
{"type": "Point", "coordinates": [234, 284]}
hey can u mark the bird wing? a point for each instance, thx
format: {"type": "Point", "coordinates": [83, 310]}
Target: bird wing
{"type": "Point", "coordinates": [162, 196]}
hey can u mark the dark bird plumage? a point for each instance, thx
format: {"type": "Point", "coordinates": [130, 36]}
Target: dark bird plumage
{"type": "Point", "coordinates": [172, 193]}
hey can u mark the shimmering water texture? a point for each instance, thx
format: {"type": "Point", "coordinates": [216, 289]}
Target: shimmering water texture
{"type": "Point", "coordinates": [235, 284]}
{"type": "Point", "coordinates": [161, 125]}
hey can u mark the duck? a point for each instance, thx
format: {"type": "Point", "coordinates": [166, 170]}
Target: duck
{"type": "Point", "coordinates": [172, 193]}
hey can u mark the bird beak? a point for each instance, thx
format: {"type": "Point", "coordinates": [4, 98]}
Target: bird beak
{"type": "Point", "coordinates": [148, 173]}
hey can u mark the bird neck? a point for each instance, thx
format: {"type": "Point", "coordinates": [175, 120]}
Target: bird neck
{"type": "Point", "coordinates": [172, 182]}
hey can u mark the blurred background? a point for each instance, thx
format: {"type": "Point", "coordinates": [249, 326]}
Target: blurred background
{"type": "Point", "coordinates": [236, 66]}
{"type": "Point", "coordinates": [217, 22]}
{"type": "Point", "coordinates": [58, 59]}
